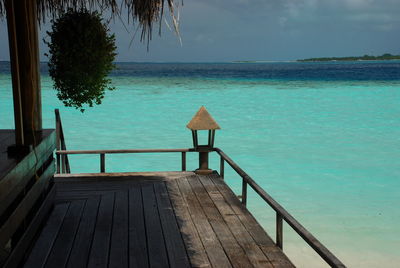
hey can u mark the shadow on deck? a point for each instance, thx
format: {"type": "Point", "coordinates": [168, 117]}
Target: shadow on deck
{"type": "Point", "coordinates": [169, 219]}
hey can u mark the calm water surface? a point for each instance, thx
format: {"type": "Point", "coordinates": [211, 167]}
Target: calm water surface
{"type": "Point", "coordinates": [323, 139]}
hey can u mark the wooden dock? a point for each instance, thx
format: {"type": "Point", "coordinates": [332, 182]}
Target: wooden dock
{"type": "Point", "coordinates": [52, 218]}
{"type": "Point", "coordinates": [169, 219]}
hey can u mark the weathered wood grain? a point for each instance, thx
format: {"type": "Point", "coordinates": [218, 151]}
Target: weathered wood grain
{"type": "Point", "coordinates": [137, 230]}
{"type": "Point", "coordinates": [210, 241]}
{"type": "Point", "coordinates": [15, 173]}
{"type": "Point", "coordinates": [267, 245]}
{"type": "Point", "coordinates": [79, 255]}
{"type": "Point", "coordinates": [188, 221]}
{"type": "Point", "coordinates": [231, 247]}
{"type": "Point", "coordinates": [25, 242]}
{"type": "Point", "coordinates": [194, 247]}
{"type": "Point", "coordinates": [99, 253]}
{"type": "Point", "coordinates": [119, 238]}
{"type": "Point", "coordinates": [246, 241]}
{"type": "Point", "coordinates": [45, 241]}
{"type": "Point", "coordinates": [155, 239]}
{"type": "Point", "coordinates": [173, 240]}
{"type": "Point", "coordinates": [23, 208]}
{"type": "Point", "coordinates": [61, 249]}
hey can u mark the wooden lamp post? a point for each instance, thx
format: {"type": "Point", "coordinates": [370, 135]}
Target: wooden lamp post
{"type": "Point", "coordinates": [202, 120]}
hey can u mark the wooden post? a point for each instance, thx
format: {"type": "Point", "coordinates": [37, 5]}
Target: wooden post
{"type": "Point", "coordinates": [58, 163]}
{"type": "Point", "coordinates": [102, 163]}
{"type": "Point", "coordinates": [24, 57]}
{"type": "Point", "coordinates": [58, 131]}
{"type": "Point", "coordinates": [244, 192]}
{"type": "Point", "coordinates": [183, 161]}
{"type": "Point", "coordinates": [63, 164]}
{"type": "Point", "coordinates": [279, 230]}
{"type": "Point", "coordinates": [222, 169]}
{"type": "Point", "coordinates": [12, 40]}
{"type": "Point", "coordinates": [58, 140]}
{"type": "Point", "coordinates": [203, 163]}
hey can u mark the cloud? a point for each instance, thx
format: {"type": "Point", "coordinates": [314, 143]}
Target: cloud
{"type": "Point", "coordinates": [217, 30]}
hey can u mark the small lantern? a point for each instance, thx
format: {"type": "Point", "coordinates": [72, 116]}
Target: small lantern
{"type": "Point", "coordinates": [202, 120]}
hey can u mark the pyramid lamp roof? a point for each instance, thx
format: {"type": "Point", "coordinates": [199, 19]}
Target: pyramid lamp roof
{"type": "Point", "coordinates": [202, 120]}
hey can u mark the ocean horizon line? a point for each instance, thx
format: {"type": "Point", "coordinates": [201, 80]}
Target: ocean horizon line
{"type": "Point", "coordinates": [191, 62]}
{"type": "Point", "coordinates": [236, 62]}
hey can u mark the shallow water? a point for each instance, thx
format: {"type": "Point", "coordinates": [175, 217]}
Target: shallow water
{"type": "Point", "coordinates": [323, 139]}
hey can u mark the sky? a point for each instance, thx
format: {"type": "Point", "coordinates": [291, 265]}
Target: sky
{"type": "Point", "coordinates": [229, 30]}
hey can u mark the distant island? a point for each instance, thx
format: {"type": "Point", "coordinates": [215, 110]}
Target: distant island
{"type": "Point", "coordinates": [386, 56]}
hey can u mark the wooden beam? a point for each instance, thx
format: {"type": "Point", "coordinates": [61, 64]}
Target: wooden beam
{"type": "Point", "coordinates": [28, 64]}
{"type": "Point", "coordinates": [13, 46]}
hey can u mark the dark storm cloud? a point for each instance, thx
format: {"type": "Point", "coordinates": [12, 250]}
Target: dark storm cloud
{"type": "Point", "coordinates": [221, 30]}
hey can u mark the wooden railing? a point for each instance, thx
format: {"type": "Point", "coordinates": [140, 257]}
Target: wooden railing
{"type": "Point", "coordinates": [102, 155]}
{"type": "Point", "coordinates": [60, 145]}
{"type": "Point", "coordinates": [26, 194]}
{"type": "Point", "coordinates": [281, 213]}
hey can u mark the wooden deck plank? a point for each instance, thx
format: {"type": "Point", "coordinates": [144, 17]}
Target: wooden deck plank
{"type": "Point", "coordinates": [83, 194]}
{"type": "Point", "coordinates": [274, 254]}
{"type": "Point", "coordinates": [83, 240]}
{"type": "Point", "coordinates": [246, 241]}
{"type": "Point", "coordinates": [212, 245]}
{"type": "Point", "coordinates": [99, 252]}
{"type": "Point", "coordinates": [187, 221]}
{"type": "Point", "coordinates": [59, 254]}
{"type": "Point", "coordinates": [194, 247]}
{"type": "Point", "coordinates": [137, 231]}
{"type": "Point", "coordinates": [173, 240]}
{"type": "Point", "coordinates": [119, 238]}
{"type": "Point", "coordinates": [44, 244]}
{"type": "Point", "coordinates": [232, 248]}
{"type": "Point", "coordinates": [155, 239]}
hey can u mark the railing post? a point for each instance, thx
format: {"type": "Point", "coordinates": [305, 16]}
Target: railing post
{"type": "Point", "coordinates": [183, 161]}
{"type": "Point", "coordinates": [58, 139]}
{"type": "Point", "coordinates": [58, 163]}
{"type": "Point", "coordinates": [58, 143]}
{"type": "Point", "coordinates": [221, 167]}
{"type": "Point", "coordinates": [63, 164]}
{"type": "Point", "coordinates": [102, 163]}
{"type": "Point", "coordinates": [203, 162]}
{"type": "Point", "coordinates": [244, 192]}
{"type": "Point", "coordinates": [279, 230]}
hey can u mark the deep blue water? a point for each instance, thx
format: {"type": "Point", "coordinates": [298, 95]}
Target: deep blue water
{"type": "Point", "coordinates": [349, 71]}
{"type": "Point", "coordinates": [325, 71]}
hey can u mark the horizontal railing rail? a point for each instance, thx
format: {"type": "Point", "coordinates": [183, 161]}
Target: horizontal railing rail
{"type": "Point", "coordinates": [124, 151]}
{"type": "Point", "coordinates": [102, 154]}
{"type": "Point", "coordinates": [281, 213]}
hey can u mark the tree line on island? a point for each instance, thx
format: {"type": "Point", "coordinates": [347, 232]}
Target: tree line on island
{"type": "Point", "coordinates": [385, 56]}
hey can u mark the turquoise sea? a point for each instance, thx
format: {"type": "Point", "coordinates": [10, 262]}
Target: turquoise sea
{"type": "Point", "coordinates": [322, 138]}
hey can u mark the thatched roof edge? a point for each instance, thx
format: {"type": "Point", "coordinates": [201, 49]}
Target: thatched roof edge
{"type": "Point", "coordinates": [143, 12]}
